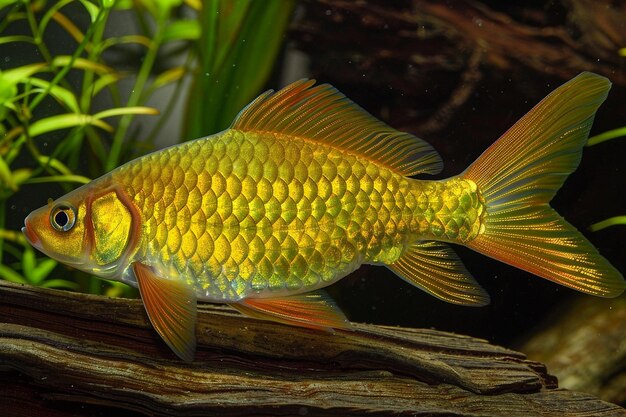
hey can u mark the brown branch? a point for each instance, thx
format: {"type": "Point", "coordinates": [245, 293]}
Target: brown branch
{"type": "Point", "coordinates": [71, 348]}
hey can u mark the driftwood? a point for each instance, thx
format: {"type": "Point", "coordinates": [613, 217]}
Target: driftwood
{"type": "Point", "coordinates": [436, 53]}
{"type": "Point", "coordinates": [586, 325]}
{"type": "Point", "coordinates": [63, 352]}
{"type": "Point", "coordinates": [553, 39]}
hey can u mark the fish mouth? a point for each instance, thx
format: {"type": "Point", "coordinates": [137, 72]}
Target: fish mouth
{"type": "Point", "coordinates": [31, 236]}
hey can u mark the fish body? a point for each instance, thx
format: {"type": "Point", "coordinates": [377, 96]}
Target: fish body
{"type": "Point", "coordinates": [303, 189]}
{"type": "Point", "coordinates": [243, 214]}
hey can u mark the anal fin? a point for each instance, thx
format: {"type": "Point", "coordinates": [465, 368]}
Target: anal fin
{"type": "Point", "coordinates": [313, 310]}
{"type": "Point", "coordinates": [435, 268]}
{"type": "Point", "coordinates": [171, 307]}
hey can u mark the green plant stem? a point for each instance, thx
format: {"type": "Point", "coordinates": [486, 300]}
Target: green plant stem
{"type": "Point", "coordinates": [9, 18]}
{"type": "Point", "coordinates": [612, 221]}
{"type": "Point", "coordinates": [61, 74]}
{"type": "Point", "coordinates": [94, 56]}
{"type": "Point", "coordinates": [38, 30]}
{"type": "Point", "coordinates": [87, 90]}
{"type": "Point", "coordinates": [133, 100]}
{"type": "Point", "coordinates": [16, 38]}
{"type": "Point", "coordinates": [602, 137]}
{"type": "Point", "coordinates": [30, 16]}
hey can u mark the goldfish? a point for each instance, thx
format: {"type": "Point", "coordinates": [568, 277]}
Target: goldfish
{"type": "Point", "coordinates": [303, 188]}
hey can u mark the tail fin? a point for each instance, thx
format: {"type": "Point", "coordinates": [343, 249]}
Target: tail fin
{"type": "Point", "coordinates": [518, 176]}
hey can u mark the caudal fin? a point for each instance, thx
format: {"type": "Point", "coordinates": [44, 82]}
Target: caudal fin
{"type": "Point", "coordinates": [518, 176]}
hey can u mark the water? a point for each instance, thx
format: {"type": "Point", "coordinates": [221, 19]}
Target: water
{"type": "Point", "coordinates": [455, 74]}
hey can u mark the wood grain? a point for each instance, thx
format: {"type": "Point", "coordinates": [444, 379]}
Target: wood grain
{"type": "Point", "coordinates": [69, 352]}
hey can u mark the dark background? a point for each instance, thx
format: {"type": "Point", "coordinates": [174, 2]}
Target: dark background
{"type": "Point", "coordinates": [436, 69]}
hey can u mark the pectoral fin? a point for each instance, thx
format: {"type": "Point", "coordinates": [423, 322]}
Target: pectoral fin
{"type": "Point", "coordinates": [171, 307]}
{"type": "Point", "coordinates": [314, 310]}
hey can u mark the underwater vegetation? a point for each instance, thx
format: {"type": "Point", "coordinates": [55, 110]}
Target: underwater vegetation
{"type": "Point", "coordinates": [73, 84]}
{"type": "Point", "coordinates": [595, 140]}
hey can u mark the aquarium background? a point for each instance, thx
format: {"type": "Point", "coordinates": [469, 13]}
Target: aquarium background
{"type": "Point", "coordinates": [455, 73]}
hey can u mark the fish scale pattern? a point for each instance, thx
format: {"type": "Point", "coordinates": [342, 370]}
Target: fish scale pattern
{"type": "Point", "coordinates": [259, 214]}
{"type": "Point", "coordinates": [452, 210]}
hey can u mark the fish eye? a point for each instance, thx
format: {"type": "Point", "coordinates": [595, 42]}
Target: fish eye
{"type": "Point", "coordinates": [63, 217]}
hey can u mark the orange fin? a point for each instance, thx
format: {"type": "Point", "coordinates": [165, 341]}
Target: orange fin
{"type": "Point", "coordinates": [436, 269]}
{"type": "Point", "coordinates": [171, 307]}
{"type": "Point", "coordinates": [322, 113]}
{"type": "Point", "coordinates": [314, 310]}
{"type": "Point", "coordinates": [518, 176]}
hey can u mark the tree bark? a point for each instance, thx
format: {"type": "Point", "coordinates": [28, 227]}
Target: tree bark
{"type": "Point", "coordinates": [63, 353]}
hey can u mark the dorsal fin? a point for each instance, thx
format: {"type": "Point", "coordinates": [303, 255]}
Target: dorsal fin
{"type": "Point", "coordinates": [322, 113]}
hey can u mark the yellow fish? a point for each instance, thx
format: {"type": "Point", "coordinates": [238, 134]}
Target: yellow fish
{"type": "Point", "coordinates": [306, 186]}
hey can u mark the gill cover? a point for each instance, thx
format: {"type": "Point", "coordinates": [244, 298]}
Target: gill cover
{"type": "Point", "coordinates": [110, 228]}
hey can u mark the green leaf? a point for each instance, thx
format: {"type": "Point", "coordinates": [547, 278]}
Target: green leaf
{"type": "Point", "coordinates": [64, 121]}
{"type": "Point", "coordinates": [121, 4]}
{"type": "Point", "coordinates": [104, 81]}
{"type": "Point", "coordinates": [170, 4]}
{"type": "Point", "coordinates": [6, 176]}
{"type": "Point", "coordinates": [161, 8]}
{"type": "Point", "coordinates": [182, 30]}
{"type": "Point", "coordinates": [128, 39]}
{"type": "Point", "coordinates": [59, 283]}
{"type": "Point", "coordinates": [42, 270]}
{"type": "Point", "coordinates": [21, 175]}
{"type": "Point", "coordinates": [28, 263]}
{"type": "Point", "coordinates": [5, 3]}
{"type": "Point", "coordinates": [63, 95]}
{"type": "Point", "coordinates": [8, 274]}
{"type": "Point", "coordinates": [92, 9]}
{"type": "Point", "coordinates": [126, 110]}
{"type": "Point", "coordinates": [169, 76]}
{"type": "Point", "coordinates": [239, 43]}
{"type": "Point", "coordinates": [119, 289]}
{"type": "Point", "coordinates": [81, 63]}
{"type": "Point", "coordinates": [16, 38]}
{"type": "Point", "coordinates": [54, 164]}
{"type": "Point", "coordinates": [7, 91]}
{"type": "Point", "coordinates": [15, 75]}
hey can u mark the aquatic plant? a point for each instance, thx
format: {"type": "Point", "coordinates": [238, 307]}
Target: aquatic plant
{"type": "Point", "coordinates": [595, 140]}
{"type": "Point", "coordinates": [66, 118]}
{"type": "Point", "coordinates": [237, 49]}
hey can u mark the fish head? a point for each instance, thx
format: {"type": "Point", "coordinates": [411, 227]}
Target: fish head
{"type": "Point", "coordinates": [90, 228]}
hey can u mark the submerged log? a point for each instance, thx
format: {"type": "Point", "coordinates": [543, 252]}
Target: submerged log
{"type": "Point", "coordinates": [63, 352]}
{"type": "Point", "coordinates": [566, 339]}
